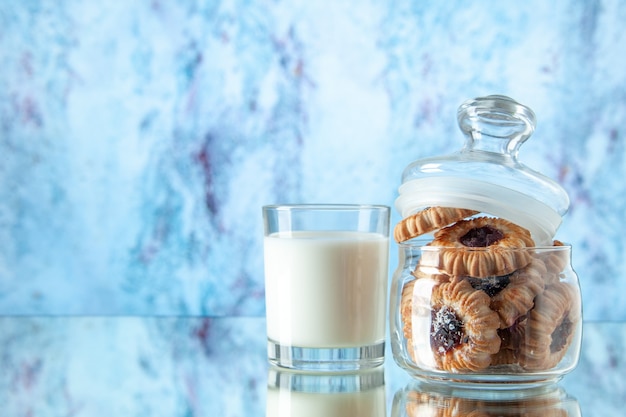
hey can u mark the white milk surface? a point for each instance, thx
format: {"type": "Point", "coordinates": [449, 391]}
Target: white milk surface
{"type": "Point", "coordinates": [326, 289]}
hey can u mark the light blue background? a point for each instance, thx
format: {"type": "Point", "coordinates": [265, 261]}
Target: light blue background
{"type": "Point", "coordinates": [139, 140]}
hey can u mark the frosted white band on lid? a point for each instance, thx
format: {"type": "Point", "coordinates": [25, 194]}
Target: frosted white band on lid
{"type": "Point", "coordinates": [540, 219]}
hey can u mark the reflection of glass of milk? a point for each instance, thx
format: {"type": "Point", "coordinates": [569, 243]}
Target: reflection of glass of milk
{"type": "Point", "coordinates": [326, 293]}
{"type": "Point", "coordinates": [334, 395]}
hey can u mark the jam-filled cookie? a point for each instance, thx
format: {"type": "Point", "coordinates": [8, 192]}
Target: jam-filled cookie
{"type": "Point", "coordinates": [428, 220]}
{"type": "Point", "coordinates": [480, 247]}
{"type": "Point", "coordinates": [551, 327]}
{"type": "Point", "coordinates": [517, 297]}
{"type": "Point", "coordinates": [464, 330]}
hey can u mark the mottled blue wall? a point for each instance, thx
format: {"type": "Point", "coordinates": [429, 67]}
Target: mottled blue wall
{"type": "Point", "coordinates": [138, 140]}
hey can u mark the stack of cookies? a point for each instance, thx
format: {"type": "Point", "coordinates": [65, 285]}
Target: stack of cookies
{"type": "Point", "coordinates": [492, 299]}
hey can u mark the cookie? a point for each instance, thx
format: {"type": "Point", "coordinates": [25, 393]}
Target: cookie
{"type": "Point", "coordinates": [505, 357]}
{"type": "Point", "coordinates": [479, 247]}
{"type": "Point", "coordinates": [463, 331]}
{"type": "Point", "coordinates": [556, 259]}
{"type": "Point", "coordinates": [428, 220]}
{"type": "Point", "coordinates": [511, 337]}
{"type": "Point", "coordinates": [510, 340]}
{"type": "Point", "coordinates": [551, 327]}
{"type": "Point", "coordinates": [406, 309]}
{"type": "Point", "coordinates": [517, 297]}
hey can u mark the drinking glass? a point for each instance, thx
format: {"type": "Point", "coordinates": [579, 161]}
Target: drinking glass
{"type": "Point", "coordinates": [326, 270]}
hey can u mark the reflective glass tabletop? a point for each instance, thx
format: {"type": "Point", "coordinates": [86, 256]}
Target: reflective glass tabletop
{"type": "Point", "coordinates": [197, 366]}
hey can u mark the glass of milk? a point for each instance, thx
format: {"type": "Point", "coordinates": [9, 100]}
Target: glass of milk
{"type": "Point", "coordinates": [298, 394]}
{"type": "Point", "coordinates": [326, 269]}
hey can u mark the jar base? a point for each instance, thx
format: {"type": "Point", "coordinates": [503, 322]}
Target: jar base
{"type": "Point", "coordinates": [491, 382]}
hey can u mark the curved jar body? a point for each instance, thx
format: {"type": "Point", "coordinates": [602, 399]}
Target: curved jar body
{"type": "Point", "coordinates": [522, 327]}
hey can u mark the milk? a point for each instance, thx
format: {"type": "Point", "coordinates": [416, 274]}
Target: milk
{"type": "Point", "coordinates": [326, 289]}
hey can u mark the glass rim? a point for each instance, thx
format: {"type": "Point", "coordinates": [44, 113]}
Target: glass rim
{"type": "Point", "coordinates": [326, 207]}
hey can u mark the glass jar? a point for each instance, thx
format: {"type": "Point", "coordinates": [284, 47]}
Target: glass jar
{"type": "Point", "coordinates": [519, 328]}
{"type": "Point", "coordinates": [483, 292]}
{"type": "Point", "coordinates": [421, 399]}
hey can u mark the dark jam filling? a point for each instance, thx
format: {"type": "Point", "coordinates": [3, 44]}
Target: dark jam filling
{"type": "Point", "coordinates": [446, 330]}
{"type": "Point", "coordinates": [481, 237]}
{"type": "Point", "coordinates": [491, 285]}
{"type": "Point", "coordinates": [560, 335]}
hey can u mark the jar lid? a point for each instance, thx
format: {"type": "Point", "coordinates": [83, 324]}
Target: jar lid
{"type": "Point", "coordinates": [486, 175]}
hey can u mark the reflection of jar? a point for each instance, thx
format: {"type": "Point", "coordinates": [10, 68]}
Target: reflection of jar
{"type": "Point", "coordinates": [337, 394]}
{"type": "Point", "coordinates": [430, 400]}
{"type": "Point", "coordinates": [483, 292]}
